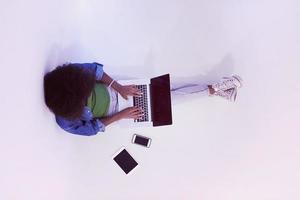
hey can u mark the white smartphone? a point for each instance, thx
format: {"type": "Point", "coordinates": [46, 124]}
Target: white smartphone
{"type": "Point", "coordinates": [125, 161]}
{"type": "Point", "coordinates": [141, 140]}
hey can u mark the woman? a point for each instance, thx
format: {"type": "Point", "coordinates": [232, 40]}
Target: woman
{"type": "Point", "coordinates": [83, 96]}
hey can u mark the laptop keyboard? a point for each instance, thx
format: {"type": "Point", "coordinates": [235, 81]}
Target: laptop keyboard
{"type": "Point", "coordinates": [142, 102]}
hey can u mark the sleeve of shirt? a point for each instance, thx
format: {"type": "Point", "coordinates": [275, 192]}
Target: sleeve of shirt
{"type": "Point", "coordinates": [95, 67]}
{"type": "Point", "coordinates": [81, 127]}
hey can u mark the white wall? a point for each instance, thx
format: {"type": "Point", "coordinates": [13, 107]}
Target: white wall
{"type": "Point", "coordinates": [246, 150]}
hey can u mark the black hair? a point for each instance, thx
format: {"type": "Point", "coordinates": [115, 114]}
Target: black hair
{"type": "Point", "coordinates": [67, 88]}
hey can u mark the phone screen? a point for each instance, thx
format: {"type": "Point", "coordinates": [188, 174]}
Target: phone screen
{"type": "Point", "coordinates": [125, 161]}
{"type": "Point", "coordinates": [141, 140]}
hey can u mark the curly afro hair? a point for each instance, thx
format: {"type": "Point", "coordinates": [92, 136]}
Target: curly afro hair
{"type": "Point", "coordinates": [67, 88]}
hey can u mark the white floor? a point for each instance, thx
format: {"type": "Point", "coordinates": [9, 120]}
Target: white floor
{"type": "Point", "coordinates": [215, 150]}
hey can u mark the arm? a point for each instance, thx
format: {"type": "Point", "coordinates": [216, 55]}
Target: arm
{"type": "Point", "coordinates": [127, 113]}
{"type": "Point", "coordinates": [81, 127]}
{"type": "Point", "coordinates": [106, 79]}
{"type": "Point", "coordinates": [108, 120]}
{"type": "Point", "coordinates": [101, 76]}
{"type": "Point", "coordinates": [125, 91]}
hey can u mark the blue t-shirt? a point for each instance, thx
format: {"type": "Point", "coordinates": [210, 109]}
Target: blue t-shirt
{"type": "Point", "coordinates": [86, 125]}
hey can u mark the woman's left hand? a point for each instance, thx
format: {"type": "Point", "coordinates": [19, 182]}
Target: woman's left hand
{"type": "Point", "coordinates": [129, 90]}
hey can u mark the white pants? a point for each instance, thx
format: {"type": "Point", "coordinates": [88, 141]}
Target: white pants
{"type": "Point", "coordinates": [186, 89]}
{"type": "Point", "coordinates": [182, 90]}
{"type": "Point", "coordinates": [113, 103]}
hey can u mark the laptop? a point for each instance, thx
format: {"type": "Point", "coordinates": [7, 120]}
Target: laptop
{"type": "Point", "coordinates": [155, 101]}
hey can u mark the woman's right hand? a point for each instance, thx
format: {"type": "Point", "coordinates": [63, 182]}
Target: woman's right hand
{"type": "Point", "coordinates": [131, 112]}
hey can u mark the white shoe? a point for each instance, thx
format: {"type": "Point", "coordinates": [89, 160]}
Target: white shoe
{"type": "Point", "coordinates": [229, 94]}
{"type": "Point", "coordinates": [226, 83]}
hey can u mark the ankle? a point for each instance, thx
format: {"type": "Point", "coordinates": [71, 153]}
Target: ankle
{"type": "Point", "coordinates": [211, 90]}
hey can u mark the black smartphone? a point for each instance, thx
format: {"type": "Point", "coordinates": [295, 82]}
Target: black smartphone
{"type": "Point", "coordinates": [141, 140]}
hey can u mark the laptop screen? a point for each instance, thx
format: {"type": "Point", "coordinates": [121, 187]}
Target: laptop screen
{"type": "Point", "coordinates": [161, 100]}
